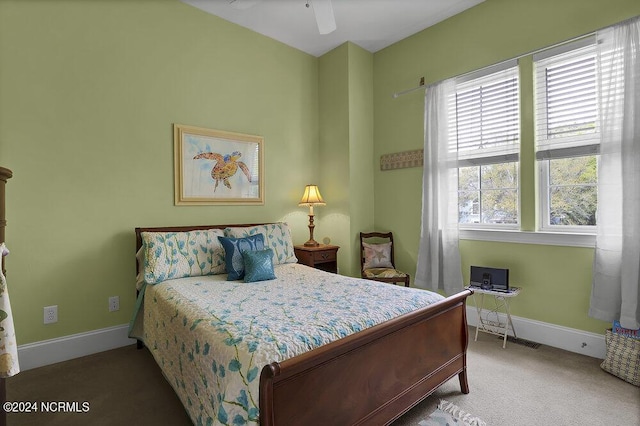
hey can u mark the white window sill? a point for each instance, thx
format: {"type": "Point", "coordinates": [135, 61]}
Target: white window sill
{"type": "Point", "coordinates": [526, 237]}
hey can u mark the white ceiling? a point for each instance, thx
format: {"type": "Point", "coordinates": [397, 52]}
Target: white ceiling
{"type": "Point", "coordinates": [371, 24]}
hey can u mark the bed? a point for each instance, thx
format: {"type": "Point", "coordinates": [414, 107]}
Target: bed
{"type": "Point", "coordinates": [308, 347]}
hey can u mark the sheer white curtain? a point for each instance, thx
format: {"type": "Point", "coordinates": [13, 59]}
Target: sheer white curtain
{"type": "Point", "coordinates": [438, 256]}
{"type": "Point", "coordinates": [616, 268]}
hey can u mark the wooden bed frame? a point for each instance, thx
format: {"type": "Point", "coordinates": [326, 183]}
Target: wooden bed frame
{"type": "Point", "coordinates": [370, 377]}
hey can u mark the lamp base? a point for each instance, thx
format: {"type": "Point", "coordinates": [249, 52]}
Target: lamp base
{"type": "Point", "coordinates": [311, 242]}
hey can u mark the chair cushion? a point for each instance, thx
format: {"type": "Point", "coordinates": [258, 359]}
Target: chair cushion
{"type": "Point", "coordinates": [377, 255]}
{"type": "Point", "coordinates": [383, 273]}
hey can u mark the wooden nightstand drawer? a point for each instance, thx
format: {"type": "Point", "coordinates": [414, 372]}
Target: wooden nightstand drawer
{"type": "Point", "coordinates": [324, 256]}
{"type": "Point", "coordinates": [304, 257]}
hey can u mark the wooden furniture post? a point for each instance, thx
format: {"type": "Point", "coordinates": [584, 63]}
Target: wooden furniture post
{"type": "Point", "coordinates": [5, 174]}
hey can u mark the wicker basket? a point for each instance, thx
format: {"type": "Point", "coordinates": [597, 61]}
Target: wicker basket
{"type": "Point", "coordinates": [623, 357]}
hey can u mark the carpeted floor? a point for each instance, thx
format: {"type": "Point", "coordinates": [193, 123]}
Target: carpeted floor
{"type": "Point", "coordinates": [515, 386]}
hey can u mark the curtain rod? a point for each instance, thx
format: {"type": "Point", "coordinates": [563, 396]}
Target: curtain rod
{"type": "Point", "coordinates": [404, 92]}
{"type": "Point", "coordinates": [532, 52]}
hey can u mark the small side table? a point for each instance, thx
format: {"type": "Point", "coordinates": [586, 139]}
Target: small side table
{"type": "Point", "coordinates": [323, 257]}
{"type": "Point", "coordinates": [490, 321]}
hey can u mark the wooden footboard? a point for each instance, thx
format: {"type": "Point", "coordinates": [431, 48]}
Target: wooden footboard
{"type": "Point", "coordinates": [371, 377]}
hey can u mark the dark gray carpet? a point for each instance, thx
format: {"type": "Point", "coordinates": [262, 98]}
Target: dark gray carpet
{"type": "Point", "coordinates": [122, 386]}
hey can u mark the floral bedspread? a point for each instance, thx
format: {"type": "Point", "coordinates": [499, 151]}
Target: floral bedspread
{"type": "Point", "coordinates": [212, 337]}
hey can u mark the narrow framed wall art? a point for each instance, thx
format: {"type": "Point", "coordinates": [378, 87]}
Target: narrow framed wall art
{"type": "Point", "coordinates": [217, 167]}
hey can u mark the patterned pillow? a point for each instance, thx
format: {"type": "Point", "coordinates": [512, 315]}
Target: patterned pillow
{"type": "Point", "coordinates": [277, 237]}
{"type": "Point", "coordinates": [169, 255]}
{"type": "Point", "coordinates": [258, 265]}
{"type": "Point", "coordinates": [377, 255]}
{"type": "Point", "coordinates": [233, 248]}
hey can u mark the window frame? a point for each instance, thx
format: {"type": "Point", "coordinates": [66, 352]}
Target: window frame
{"type": "Point", "coordinates": [573, 146]}
{"type": "Point", "coordinates": [530, 231]}
{"type": "Point", "coordinates": [489, 226]}
{"type": "Point", "coordinates": [503, 153]}
{"type": "Point", "coordinates": [544, 212]}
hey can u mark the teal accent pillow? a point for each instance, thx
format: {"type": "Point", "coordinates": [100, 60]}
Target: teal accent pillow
{"type": "Point", "coordinates": [233, 248]}
{"type": "Point", "coordinates": [258, 265]}
{"type": "Point", "coordinates": [277, 236]}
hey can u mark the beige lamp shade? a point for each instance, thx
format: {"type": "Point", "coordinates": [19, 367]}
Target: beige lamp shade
{"type": "Point", "coordinates": [312, 197]}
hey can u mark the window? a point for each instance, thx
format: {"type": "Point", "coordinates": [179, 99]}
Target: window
{"type": "Point", "coordinates": [484, 124]}
{"type": "Point", "coordinates": [567, 137]}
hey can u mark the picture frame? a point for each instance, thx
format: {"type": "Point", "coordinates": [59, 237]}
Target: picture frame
{"type": "Point", "coordinates": [217, 167]}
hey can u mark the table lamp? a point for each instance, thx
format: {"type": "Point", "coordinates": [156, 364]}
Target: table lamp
{"type": "Point", "coordinates": [311, 197]}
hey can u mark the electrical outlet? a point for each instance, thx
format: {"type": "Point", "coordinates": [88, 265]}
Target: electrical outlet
{"type": "Point", "coordinates": [50, 314]}
{"type": "Point", "coordinates": [114, 303]}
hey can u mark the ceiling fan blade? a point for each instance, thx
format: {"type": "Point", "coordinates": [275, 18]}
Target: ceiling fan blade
{"type": "Point", "coordinates": [324, 15]}
{"type": "Point", "coordinates": [243, 4]}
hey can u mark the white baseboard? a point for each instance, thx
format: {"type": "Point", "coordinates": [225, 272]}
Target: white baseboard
{"type": "Point", "coordinates": [569, 339]}
{"type": "Point", "coordinates": [38, 354]}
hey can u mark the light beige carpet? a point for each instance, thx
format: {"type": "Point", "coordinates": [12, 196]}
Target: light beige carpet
{"type": "Point", "coordinates": [509, 387]}
{"type": "Point", "coordinates": [521, 386]}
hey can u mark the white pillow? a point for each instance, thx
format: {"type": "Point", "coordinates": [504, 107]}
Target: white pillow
{"type": "Point", "coordinates": [377, 255]}
{"type": "Point", "coordinates": [169, 255]}
{"type": "Point", "coordinates": [277, 237]}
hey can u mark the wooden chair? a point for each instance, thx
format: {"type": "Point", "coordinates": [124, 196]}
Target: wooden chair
{"type": "Point", "coordinates": [377, 260]}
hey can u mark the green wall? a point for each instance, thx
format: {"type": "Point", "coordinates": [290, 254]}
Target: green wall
{"type": "Point", "coordinates": [361, 158]}
{"type": "Point", "coordinates": [556, 280]}
{"type": "Point", "coordinates": [88, 95]}
{"type": "Point", "coordinates": [346, 149]}
{"type": "Point", "coordinates": [334, 151]}
{"type": "Point", "coordinates": [89, 92]}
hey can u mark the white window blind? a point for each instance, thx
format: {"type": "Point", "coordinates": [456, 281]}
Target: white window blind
{"type": "Point", "coordinates": [567, 135]}
{"type": "Point", "coordinates": [567, 101]}
{"type": "Point", "coordinates": [484, 118]}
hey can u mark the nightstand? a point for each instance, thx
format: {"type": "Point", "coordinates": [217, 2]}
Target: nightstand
{"type": "Point", "coordinates": [323, 257]}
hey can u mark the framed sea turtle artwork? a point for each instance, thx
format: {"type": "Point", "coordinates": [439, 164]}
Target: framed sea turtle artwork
{"type": "Point", "coordinates": [217, 167]}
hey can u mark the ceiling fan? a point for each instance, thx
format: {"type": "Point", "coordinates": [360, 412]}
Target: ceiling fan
{"type": "Point", "coordinates": [322, 9]}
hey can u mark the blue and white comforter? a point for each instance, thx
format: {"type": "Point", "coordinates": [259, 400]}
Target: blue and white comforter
{"type": "Point", "coordinates": [212, 337]}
